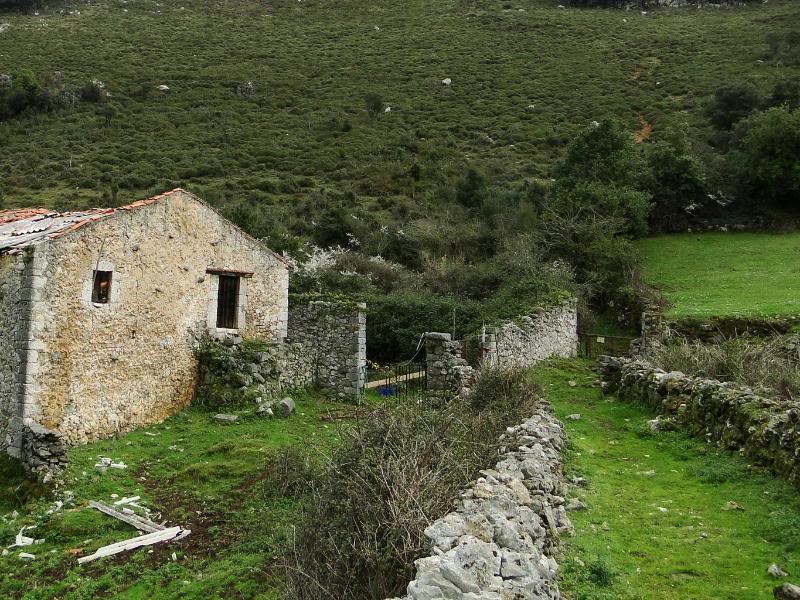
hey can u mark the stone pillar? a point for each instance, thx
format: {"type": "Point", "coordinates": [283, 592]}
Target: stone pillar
{"type": "Point", "coordinates": [488, 347]}
{"type": "Point", "coordinates": [447, 372]}
{"type": "Point", "coordinates": [357, 363]}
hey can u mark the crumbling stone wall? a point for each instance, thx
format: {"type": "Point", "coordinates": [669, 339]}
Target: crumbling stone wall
{"type": "Point", "coordinates": [500, 540]}
{"type": "Point", "coordinates": [522, 342]}
{"type": "Point", "coordinates": [334, 336]}
{"type": "Point", "coordinates": [107, 368]}
{"type": "Point", "coordinates": [43, 451]}
{"type": "Point", "coordinates": [447, 372]}
{"type": "Point", "coordinates": [528, 340]}
{"type": "Point", "coordinates": [766, 430]}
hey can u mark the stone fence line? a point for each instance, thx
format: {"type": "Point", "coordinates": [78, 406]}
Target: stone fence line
{"type": "Point", "coordinates": [765, 430]}
{"type": "Point", "coordinates": [500, 540]}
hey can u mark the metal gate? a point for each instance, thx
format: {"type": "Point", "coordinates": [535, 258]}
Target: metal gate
{"type": "Point", "coordinates": [593, 345]}
{"type": "Point", "coordinates": [406, 381]}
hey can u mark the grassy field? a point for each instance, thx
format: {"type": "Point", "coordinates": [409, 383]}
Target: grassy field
{"type": "Point", "coordinates": [525, 76]}
{"type": "Point", "coordinates": [721, 274]}
{"type": "Point", "coordinates": [203, 475]}
{"type": "Point", "coordinates": [657, 524]}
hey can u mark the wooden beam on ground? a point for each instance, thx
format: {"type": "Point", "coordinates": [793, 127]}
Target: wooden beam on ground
{"type": "Point", "coordinates": [135, 520]}
{"type": "Point", "coordinates": [137, 542]}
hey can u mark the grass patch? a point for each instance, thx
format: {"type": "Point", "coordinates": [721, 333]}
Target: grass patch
{"type": "Point", "coordinates": [628, 547]}
{"type": "Point", "coordinates": [204, 475]}
{"type": "Point", "coordinates": [722, 274]}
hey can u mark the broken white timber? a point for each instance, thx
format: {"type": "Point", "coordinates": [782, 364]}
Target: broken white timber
{"type": "Point", "coordinates": [22, 540]}
{"type": "Point", "coordinates": [127, 500]}
{"type": "Point", "coordinates": [133, 543]}
{"type": "Point", "coordinates": [26, 556]}
{"type": "Point", "coordinates": [132, 519]}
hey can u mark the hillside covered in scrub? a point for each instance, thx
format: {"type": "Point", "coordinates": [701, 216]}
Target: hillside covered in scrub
{"type": "Point", "coordinates": [418, 155]}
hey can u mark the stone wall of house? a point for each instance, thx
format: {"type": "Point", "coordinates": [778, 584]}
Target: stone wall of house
{"type": "Point", "coordinates": [334, 335]}
{"type": "Point", "coordinates": [500, 540]}
{"type": "Point", "coordinates": [13, 323]}
{"type": "Point", "coordinates": [528, 340]}
{"type": "Point", "coordinates": [447, 372]}
{"type": "Point", "coordinates": [107, 368]}
{"type": "Point", "coordinates": [766, 430]}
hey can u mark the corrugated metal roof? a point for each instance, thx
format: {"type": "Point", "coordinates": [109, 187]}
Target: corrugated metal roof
{"type": "Point", "coordinates": [20, 228]}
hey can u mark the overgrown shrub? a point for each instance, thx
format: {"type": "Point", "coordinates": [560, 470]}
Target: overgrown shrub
{"type": "Point", "coordinates": [397, 471]}
{"type": "Point", "coordinates": [731, 103]}
{"type": "Point", "coordinates": [748, 361]}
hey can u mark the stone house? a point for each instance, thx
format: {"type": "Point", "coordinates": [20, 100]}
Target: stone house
{"type": "Point", "coordinates": [101, 310]}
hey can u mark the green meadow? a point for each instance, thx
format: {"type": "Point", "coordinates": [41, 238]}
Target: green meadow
{"type": "Point", "coordinates": [722, 274]}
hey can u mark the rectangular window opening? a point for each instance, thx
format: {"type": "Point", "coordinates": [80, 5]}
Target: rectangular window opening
{"type": "Point", "coordinates": [228, 302]}
{"type": "Point", "coordinates": [101, 288]}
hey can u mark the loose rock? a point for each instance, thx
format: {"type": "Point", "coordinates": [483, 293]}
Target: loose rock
{"type": "Point", "coordinates": [222, 418]}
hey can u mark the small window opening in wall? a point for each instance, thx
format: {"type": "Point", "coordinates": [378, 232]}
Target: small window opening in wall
{"type": "Point", "coordinates": [228, 302]}
{"type": "Point", "coordinates": [101, 289]}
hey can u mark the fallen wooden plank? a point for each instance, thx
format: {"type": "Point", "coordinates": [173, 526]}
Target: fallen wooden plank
{"type": "Point", "coordinates": [132, 519]}
{"type": "Point", "coordinates": [133, 543]}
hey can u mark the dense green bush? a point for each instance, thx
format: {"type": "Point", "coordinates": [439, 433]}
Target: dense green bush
{"type": "Point", "coordinates": [764, 160]}
{"type": "Point", "coordinates": [676, 181]}
{"type": "Point", "coordinates": [23, 93]}
{"type": "Point", "coordinates": [732, 103]}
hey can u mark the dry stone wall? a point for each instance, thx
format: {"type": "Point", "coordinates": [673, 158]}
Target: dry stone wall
{"type": "Point", "coordinates": [326, 348]}
{"type": "Point", "coordinates": [500, 540]}
{"type": "Point", "coordinates": [528, 340]}
{"type": "Point", "coordinates": [335, 337]}
{"type": "Point", "coordinates": [765, 430]}
{"type": "Point", "coordinates": [523, 342]}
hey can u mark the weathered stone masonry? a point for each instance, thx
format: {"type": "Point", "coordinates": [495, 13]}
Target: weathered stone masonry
{"type": "Point", "coordinates": [326, 347]}
{"type": "Point", "coordinates": [523, 342]}
{"type": "Point", "coordinates": [334, 336]}
{"type": "Point", "coordinates": [87, 370]}
{"type": "Point", "coordinates": [765, 430]}
{"type": "Point", "coordinates": [500, 541]}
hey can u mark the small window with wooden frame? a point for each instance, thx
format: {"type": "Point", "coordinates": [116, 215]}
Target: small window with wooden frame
{"type": "Point", "coordinates": [228, 302]}
{"type": "Point", "coordinates": [101, 287]}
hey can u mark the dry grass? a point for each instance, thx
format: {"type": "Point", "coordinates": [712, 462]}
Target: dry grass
{"type": "Point", "coordinates": [751, 362]}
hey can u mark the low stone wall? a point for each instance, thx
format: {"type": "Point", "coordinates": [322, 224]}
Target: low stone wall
{"type": "Point", "coordinates": [765, 430]}
{"type": "Point", "coordinates": [499, 542]}
{"type": "Point", "coordinates": [326, 347]}
{"type": "Point", "coordinates": [526, 341]}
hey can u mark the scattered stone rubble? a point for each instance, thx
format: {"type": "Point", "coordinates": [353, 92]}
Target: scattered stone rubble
{"type": "Point", "coordinates": [765, 430]}
{"type": "Point", "coordinates": [500, 541]}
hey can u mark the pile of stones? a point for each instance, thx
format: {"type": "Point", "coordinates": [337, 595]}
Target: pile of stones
{"type": "Point", "coordinates": [500, 541]}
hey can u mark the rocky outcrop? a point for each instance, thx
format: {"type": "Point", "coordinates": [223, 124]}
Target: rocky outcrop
{"type": "Point", "coordinates": [499, 542]}
{"type": "Point", "coordinates": [765, 430]}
